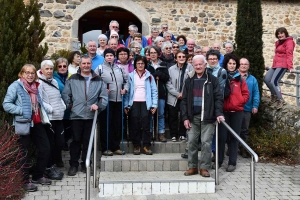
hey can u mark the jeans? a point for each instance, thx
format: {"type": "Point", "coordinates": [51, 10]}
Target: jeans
{"type": "Point", "coordinates": [161, 117]}
{"type": "Point", "coordinates": [206, 131]}
{"type": "Point", "coordinates": [245, 126]}
{"type": "Point", "coordinates": [272, 78]}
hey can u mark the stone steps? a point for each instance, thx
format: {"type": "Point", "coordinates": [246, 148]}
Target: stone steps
{"type": "Point", "coordinates": [148, 183]}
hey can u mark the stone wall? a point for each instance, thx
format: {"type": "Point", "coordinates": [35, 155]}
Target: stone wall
{"type": "Point", "coordinates": [207, 21]}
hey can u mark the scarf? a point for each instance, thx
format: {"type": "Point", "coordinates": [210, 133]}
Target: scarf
{"type": "Point", "coordinates": [33, 91]}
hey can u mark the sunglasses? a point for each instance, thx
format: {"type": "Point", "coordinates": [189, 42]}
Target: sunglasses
{"type": "Point", "coordinates": [114, 36]}
{"type": "Point", "coordinates": [168, 48]}
{"type": "Point", "coordinates": [62, 66]}
{"type": "Point", "coordinates": [165, 27]}
{"type": "Point", "coordinates": [175, 47]}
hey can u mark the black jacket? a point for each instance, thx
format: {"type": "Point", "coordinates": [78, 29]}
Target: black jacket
{"type": "Point", "coordinates": [163, 74]}
{"type": "Point", "coordinates": [169, 61]}
{"type": "Point", "coordinates": [212, 99]}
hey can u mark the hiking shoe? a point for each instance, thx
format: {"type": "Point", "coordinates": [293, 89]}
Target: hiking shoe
{"type": "Point", "coordinates": [107, 153]}
{"type": "Point", "coordinates": [147, 150]}
{"type": "Point", "coordinates": [174, 139]}
{"type": "Point", "coordinates": [53, 173]}
{"type": "Point", "coordinates": [273, 99]}
{"type": "Point", "coordinates": [184, 155]}
{"type": "Point", "coordinates": [42, 181]}
{"type": "Point", "coordinates": [119, 152]}
{"type": "Point", "coordinates": [57, 170]}
{"type": "Point", "coordinates": [182, 138]}
{"type": "Point", "coordinates": [29, 187]}
{"type": "Point", "coordinates": [137, 150]}
{"type": "Point", "coordinates": [230, 168]}
{"type": "Point", "coordinates": [280, 103]}
{"type": "Point", "coordinates": [162, 138]}
{"type": "Point", "coordinates": [72, 171]}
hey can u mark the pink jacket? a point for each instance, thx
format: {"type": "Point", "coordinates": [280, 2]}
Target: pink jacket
{"type": "Point", "coordinates": [284, 54]}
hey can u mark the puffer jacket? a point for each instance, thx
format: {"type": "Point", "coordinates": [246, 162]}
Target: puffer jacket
{"type": "Point", "coordinates": [80, 102]}
{"type": "Point", "coordinates": [17, 102]}
{"type": "Point", "coordinates": [284, 54]}
{"type": "Point", "coordinates": [174, 83]}
{"type": "Point", "coordinates": [51, 97]}
{"type": "Point", "coordinates": [239, 94]}
{"type": "Point", "coordinates": [115, 76]}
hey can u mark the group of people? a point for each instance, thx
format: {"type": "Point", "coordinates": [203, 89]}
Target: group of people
{"type": "Point", "coordinates": [140, 78]}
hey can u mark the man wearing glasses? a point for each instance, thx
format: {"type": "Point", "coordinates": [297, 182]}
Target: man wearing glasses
{"type": "Point", "coordinates": [114, 25]}
{"type": "Point", "coordinates": [132, 29]}
{"type": "Point", "coordinates": [164, 28]}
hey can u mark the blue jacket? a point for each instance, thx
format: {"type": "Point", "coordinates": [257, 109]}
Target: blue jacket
{"type": "Point", "coordinates": [60, 81]}
{"type": "Point", "coordinates": [254, 98]}
{"type": "Point", "coordinates": [17, 102]}
{"type": "Point", "coordinates": [96, 61]}
{"type": "Point", "coordinates": [144, 41]}
{"type": "Point", "coordinates": [151, 91]}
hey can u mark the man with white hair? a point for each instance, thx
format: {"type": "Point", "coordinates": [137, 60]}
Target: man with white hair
{"type": "Point", "coordinates": [164, 28]}
{"type": "Point", "coordinates": [229, 47]}
{"type": "Point", "coordinates": [190, 46]}
{"type": "Point", "coordinates": [114, 25]}
{"type": "Point", "coordinates": [96, 59]}
{"type": "Point", "coordinates": [168, 36]}
{"type": "Point", "coordinates": [132, 29]}
{"type": "Point", "coordinates": [201, 106]}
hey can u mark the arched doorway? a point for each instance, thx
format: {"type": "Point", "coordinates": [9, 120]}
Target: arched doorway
{"type": "Point", "coordinates": [99, 19]}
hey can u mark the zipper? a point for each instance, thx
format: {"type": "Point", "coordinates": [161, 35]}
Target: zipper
{"type": "Point", "coordinates": [116, 82]}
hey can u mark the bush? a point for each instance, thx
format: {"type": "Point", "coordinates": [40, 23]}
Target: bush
{"type": "Point", "coordinates": [60, 53]}
{"type": "Point", "coordinates": [271, 143]}
{"type": "Point", "coordinates": [10, 171]}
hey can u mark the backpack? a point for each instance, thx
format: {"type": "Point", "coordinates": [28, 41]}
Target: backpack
{"type": "Point", "coordinates": [227, 88]}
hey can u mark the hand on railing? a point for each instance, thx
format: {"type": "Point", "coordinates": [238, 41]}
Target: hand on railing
{"type": "Point", "coordinates": [94, 107]}
{"type": "Point", "coordinates": [220, 118]}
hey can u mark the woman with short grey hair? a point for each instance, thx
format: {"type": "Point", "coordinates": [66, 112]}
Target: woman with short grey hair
{"type": "Point", "coordinates": [167, 57]}
{"type": "Point", "coordinates": [102, 40]}
{"type": "Point", "coordinates": [136, 47]}
{"type": "Point", "coordinates": [158, 41]}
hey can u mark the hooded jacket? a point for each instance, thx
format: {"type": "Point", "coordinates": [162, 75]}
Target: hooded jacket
{"type": "Point", "coordinates": [212, 99]}
{"type": "Point", "coordinates": [254, 97]}
{"type": "Point", "coordinates": [284, 54]}
{"type": "Point", "coordinates": [79, 101]}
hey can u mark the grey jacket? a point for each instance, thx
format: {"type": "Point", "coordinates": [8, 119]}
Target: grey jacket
{"type": "Point", "coordinates": [51, 97]}
{"type": "Point", "coordinates": [80, 102]}
{"type": "Point", "coordinates": [173, 85]}
{"type": "Point", "coordinates": [114, 76]}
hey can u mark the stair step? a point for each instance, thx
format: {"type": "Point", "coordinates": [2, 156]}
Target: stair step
{"type": "Point", "coordinates": [155, 162]}
{"type": "Point", "coordinates": [148, 183]}
{"type": "Point", "coordinates": [159, 147]}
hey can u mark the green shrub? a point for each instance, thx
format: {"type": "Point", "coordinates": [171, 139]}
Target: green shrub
{"type": "Point", "coordinates": [60, 53]}
{"type": "Point", "coordinates": [271, 143]}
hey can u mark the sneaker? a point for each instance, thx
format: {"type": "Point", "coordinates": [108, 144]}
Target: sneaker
{"type": "Point", "coordinates": [57, 170]}
{"type": "Point", "coordinates": [42, 181]}
{"type": "Point", "coordinates": [182, 138]}
{"type": "Point", "coordinates": [184, 155]}
{"type": "Point", "coordinates": [273, 99]}
{"type": "Point", "coordinates": [230, 168]}
{"type": "Point", "coordinates": [162, 138]}
{"type": "Point", "coordinates": [53, 173]}
{"type": "Point", "coordinates": [119, 152]}
{"type": "Point", "coordinates": [174, 139]}
{"type": "Point", "coordinates": [72, 171]}
{"type": "Point", "coordinates": [29, 187]}
{"type": "Point", "coordinates": [280, 103]}
{"type": "Point", "coordinates": [107, 153]}
{"type": "Point", "coordinates": [137, 150]}
{"type": "Point", "coordinates": [147, 150]}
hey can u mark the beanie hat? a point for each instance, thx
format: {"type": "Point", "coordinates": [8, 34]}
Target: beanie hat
{"type": "Point", "coordinates": [108, 50]}
{"type": "Point", "coordinates": [113, 32]}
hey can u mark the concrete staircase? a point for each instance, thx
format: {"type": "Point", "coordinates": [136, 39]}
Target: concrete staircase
{"type": "Point", "coordinates": [160, 173]}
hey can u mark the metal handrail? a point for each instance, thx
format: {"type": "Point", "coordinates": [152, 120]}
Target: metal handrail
{"type": "Point", "coordinates": [93, 137]}
{"type": "Point", "coordinates": [254, 157]}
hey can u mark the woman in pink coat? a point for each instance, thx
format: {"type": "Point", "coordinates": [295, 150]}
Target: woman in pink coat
{"type": "Point", "coordinates": [282, 61]}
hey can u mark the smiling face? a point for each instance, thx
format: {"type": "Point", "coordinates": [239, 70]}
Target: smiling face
{"type": "Point", "coordinates": [113, 44]}
{"type": "Point", "coordinates": [92, 47]}
{"type": "Point", "coordinates": [62, 67]}
{"type": "Point", "coordinates": [244, 65]}
{"type": "Point", "coordinates": [29, 74]}
{"type": "Point", "coordinates": [190, 45]}
{"type": "Point", "coordinates": [140, 66]}
{"type": "Point", "coordinates": [123, 57]}
{"type": "Point", "coordinates": [180, 58]}
{"type": "Point", "coordinates": [175, 48]}
{"type": "Point", "coordinates": [212, 60]}
{"type": "Point", "coordinates": [102, 42]}
{"type": "Point", "coordinates": [281, 36]}
{"type": "Point", "coordinates": [181, 41]}
{"type": "Point", "coordinates": [153, 54]}
{"type": "Point", "coordinates": [199, 66]}
{"type": "Point", "coordinates": [159, 43]}
{"type": "Point", "coordinates": [231, 65]}
{"type": "Point", "coordinates": [167, 50]}
{"type": "Point", "coordinates": [85, 66]}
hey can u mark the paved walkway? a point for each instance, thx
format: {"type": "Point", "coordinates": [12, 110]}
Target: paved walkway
{"type": "Point", "coordinates": [272, 182]}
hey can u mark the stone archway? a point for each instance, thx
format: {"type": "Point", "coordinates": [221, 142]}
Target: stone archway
{"type": "Point", "coordinates": [88, 5]}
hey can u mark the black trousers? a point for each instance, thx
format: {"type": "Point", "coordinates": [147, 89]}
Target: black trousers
{"type": "Point", "coordinates": [67, 129]}
{"type": "Point", "coordinates": [114, 129]}
{"type": "Point", "coordinates": [81, 130]}
{"type": "Point", "coordinates": [176, 125]}
{"type": "Point", "coordinates": [140, 118]}
{"type": "Point", "coordinates": [39, 137]}
{"type": "Point", "coordinates": [55, 134]}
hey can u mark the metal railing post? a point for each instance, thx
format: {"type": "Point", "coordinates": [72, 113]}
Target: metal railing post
{"type": "Point", "coordinates": [297, 88]}
{"type": "Point", "coordinates": [95, 156]}
{"type": "Point", "coordinates": [217, 155]}
{"type": "Point", "coordinates": [252, 177]}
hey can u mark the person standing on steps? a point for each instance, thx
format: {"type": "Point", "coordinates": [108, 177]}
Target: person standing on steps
{"type": "Point", "coordinates": [201, 106]}
{"type": "Point", "coordinates": [282, 61]}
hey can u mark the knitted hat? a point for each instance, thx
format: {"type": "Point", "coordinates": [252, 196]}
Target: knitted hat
{"type": "Point", "coordinates": [113, 32]}
{"type": "Point", "coordinates": [108, 50]}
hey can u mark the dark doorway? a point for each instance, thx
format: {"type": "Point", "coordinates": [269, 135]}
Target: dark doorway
{"type": "Point", "coordinates": [99, 19]}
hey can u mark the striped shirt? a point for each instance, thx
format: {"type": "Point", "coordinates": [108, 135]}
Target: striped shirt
{"type": "Point", "coordinates": [197, 93]}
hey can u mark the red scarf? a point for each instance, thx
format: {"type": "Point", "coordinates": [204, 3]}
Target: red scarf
{"type": "Point", "coordinates": [32, 89]}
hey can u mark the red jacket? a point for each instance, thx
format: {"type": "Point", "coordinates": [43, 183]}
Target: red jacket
{"type": "Point", "coordinates": [284, 54]}
{"type": "Point", "coordinates": [238, 96]}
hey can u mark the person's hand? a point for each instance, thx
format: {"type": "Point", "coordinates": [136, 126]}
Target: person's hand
{"type": "Point", "coordinates": [123, 91]}
{"type": "Point", "coordinates": [126, 110]}
{"type": "Point", "coordinates": [94, 107]}
{"type": "Point", "coordinates": [220, 118]}
{"type": "Point", "coordinates": [153, 110]}
{"type": "Point", "coordinates": [254, 110]}
{"type": "Point", "coordinates": [157, 78]}
{"type": "Point", "coordinates": [179, 96]}
{"type": "Point", "coordinates": [187, 124]}
{"type": "Point", "coordinates": [108, 91]}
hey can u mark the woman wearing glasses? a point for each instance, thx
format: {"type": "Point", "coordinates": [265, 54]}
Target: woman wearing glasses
{"type": "Point", "coordinates": [24, 102]}
{"type": "Point", "coordinates": [160, 73]}
{"type": "Point", "coordinates": [178, 74]}
{"type": "Point", "coordinates": [115, 35]}
{"type": "Point", "coordinates": [175, 48]}
{"type": "Point", "coordinates": [167, 57]}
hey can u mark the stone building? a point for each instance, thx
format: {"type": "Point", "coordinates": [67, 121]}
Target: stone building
{"type": "Point", "coordinates": [206, 21]}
